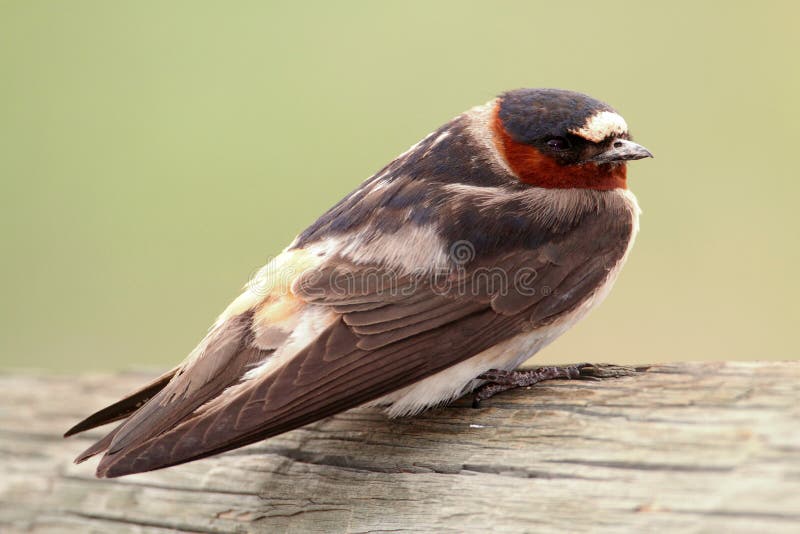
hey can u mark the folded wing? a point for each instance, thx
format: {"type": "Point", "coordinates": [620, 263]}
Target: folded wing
{"type": "Point", "coordinates": [348, 344]}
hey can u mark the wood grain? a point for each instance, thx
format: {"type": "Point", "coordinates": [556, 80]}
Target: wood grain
{"type": "Point", "coordinates": [699, 447]}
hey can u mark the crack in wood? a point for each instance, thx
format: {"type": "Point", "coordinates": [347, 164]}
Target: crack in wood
{"type": "Point", "coordinates": [681, 447]}
{"type": "Point", "coordinates": [132, 521]}
{"type": "Point", "coordinates": [645, 466]}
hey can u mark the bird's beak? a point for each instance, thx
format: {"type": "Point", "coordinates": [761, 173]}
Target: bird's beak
{"type": "Point", "coordinates": [622, 150]}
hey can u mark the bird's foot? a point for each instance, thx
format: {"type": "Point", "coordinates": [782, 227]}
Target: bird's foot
{"type": "Point", "coordinates": [498, 380]}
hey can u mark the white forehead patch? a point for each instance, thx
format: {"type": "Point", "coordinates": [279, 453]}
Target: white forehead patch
{"type": "Point", "coordinates": [600, 126]}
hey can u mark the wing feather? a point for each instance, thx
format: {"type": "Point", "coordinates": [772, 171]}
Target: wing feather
{"type": "Point", "coordinates": [382, 332]}
{"type": "Point", "coordinates": [370, 352]}
{"type": "Point", "coordinates": [218, 363]}
{"type": "Point", "coordinates": [329, 376]}
{"type": "Point", "coordinates": [124, 407]}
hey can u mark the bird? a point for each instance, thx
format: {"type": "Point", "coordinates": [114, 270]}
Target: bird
{"type": "Point", "coordinates": [436, 277]}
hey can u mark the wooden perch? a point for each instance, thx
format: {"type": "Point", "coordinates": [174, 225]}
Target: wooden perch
{"type": "Point", "coordinates": [702, 447]}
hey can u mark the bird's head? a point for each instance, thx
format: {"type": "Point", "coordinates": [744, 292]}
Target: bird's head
{"type": "Point", "coordinates": [563, 139]}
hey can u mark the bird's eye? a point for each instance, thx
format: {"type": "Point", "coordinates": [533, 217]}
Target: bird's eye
{"type": "Point", "coordinates": [557, 143]}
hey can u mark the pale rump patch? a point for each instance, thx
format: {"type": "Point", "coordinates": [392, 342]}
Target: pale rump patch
{"type": "Point", "coordinates": [274, 279]}
{"type": "Point", "coordinates": [310, 322]}
{"type": "Point", "coordinates": [602, 125]}
{"type": "Point", "coordinates": [275, 319]}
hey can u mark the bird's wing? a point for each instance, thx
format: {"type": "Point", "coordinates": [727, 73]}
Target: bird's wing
{"type": "Point", "coordinates": [303, 345]}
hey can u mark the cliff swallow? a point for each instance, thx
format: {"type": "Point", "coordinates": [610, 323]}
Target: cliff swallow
{"type": "Point", "coordinates": [448, 268]}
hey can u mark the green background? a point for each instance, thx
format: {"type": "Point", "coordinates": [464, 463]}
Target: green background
{"type": "Point", "coordinates": [154, 154]}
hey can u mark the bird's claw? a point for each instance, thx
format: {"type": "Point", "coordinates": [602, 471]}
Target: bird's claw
{"type": "Point", "coordinates": [498, 380]}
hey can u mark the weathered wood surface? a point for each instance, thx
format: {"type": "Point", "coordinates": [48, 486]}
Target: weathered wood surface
{"type": "Point", "coordinates": [684, 447]}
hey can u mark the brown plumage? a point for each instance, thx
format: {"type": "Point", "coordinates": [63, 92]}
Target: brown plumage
{"type": "Point", "coordinates": [452, 260]}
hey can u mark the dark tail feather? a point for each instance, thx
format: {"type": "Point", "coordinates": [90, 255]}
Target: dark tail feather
{"type": "Point", "coordinates": [121, 409]}
{"type": "Point", "coordinates": [99, 446]}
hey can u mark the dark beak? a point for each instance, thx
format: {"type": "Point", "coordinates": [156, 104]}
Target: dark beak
{"type": "Point", "coordinates": [622, 150]}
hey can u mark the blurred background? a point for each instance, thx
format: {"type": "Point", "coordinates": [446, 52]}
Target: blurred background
{"type": "Point", "coordinates": [154, 154]}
